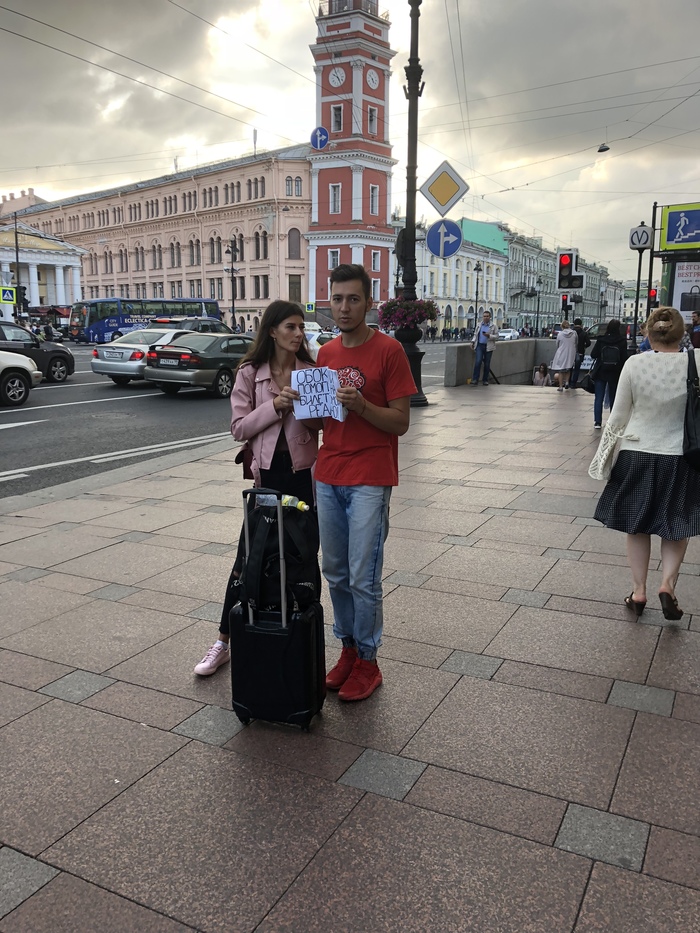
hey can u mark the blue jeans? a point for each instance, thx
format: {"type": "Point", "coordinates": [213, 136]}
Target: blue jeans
{"type": "Point", "coordinates": [600, 387]}
{"type": "Point", "coordinates": [482, 356]}
{"type": "Point", "coordinates": [354, 522]}
{"type": "Point", "coordinates": [577, 370]}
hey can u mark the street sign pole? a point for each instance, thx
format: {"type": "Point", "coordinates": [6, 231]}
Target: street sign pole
{"type": "Point", "coordinates": [640, 239]}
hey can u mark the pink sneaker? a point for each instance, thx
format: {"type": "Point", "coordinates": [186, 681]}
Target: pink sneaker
{"type": "Point", "coordinates": [212, 660]}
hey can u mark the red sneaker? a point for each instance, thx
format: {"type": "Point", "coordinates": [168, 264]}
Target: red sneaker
{"type": "Point", "coordinates": [363, 681]}
{"type": "Point", "coordinates": [336, 677]}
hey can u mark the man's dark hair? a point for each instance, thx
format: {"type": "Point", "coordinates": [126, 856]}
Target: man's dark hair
{"type": "Point", "coordinates": [348, 272]}
{"type": "Point", "coordinates": [578, 322]}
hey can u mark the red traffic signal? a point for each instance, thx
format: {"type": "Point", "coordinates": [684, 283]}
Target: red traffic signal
{"type": "Point", "coordinates": [567, 277]}
{"type": "Point", "coordinates": [652, 293]}
{"type": "Point", "coordinates": [653, 300]}
{"type": "Point", "coordinates": [564, 259]}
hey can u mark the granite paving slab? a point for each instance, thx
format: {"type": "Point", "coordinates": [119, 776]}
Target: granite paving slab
{"type": "Point", "coordinates": [413, 652]}
{"type": "Point", "coordinates": [10, 532]}
{"type": "Point", "coordinates": [150, 707]}
{"type": "Point", "coordinates": [410, 559]}
{"type": "Point", "coordinates": [146, 518]}
{"type": "Point", "coordinates": [465, 871]}
{"type": "Point", "coordinates": [276, 821]}
{"type": "Point", "coordinates": [676, 664]}
{"type": "Point", "coordinates": [489, 803]}
{"type": "Point", "coordinates": [534, 532]}
{"type": "Point", "coordinates": [603, 836]}
{"type": "Point", "coordinates": [492, 568]}
{"type": "Point", "coordinates": [126, 562]}
{"type": "Point", "coordinates": [20, 877]}
{"type": "Point", "coordinates": [554, 745]}
{"type": "Point", "coordinates": [70, 583]}
{"type": "Point", "coordinates": [626, 902]}
{"type": "Point", "coordinates": [432, 518]}
{"type": "Point", "coordinates": [97, 635]}
{"type": "Point", "coordinates": [687, 706]}
{"type": "Point", "coordinates": [472, 498]}
{"type": "Point", "coordinates": [220, 528]}
{"type": "Point", "coordinates": [68, 761]}
{"type": "Point", "coordinates": [75, 509]}
{"type": "Point", "coordinates": [25, 605]}
{"type": "Point", "coordinates": [16, 701]}
{"type": "Point", "coordinates": [49, 548]}
{"type": "Point", "coordinates": [553, 680]}
{"type": "Point", "coordinates": [202, 577]}
{"type": "Point", "coordinates": [673, 857]}
{"type": "Point", "coordinates": [22, 670]}
{"type": "Point", "coordinates": [658, 779]}
{"type": "Point", "coordinates": [621, 650]}
{"type": "Point", "coordinates": [443, 619]}
{"type": "Point", "coordinates": [557, 504]}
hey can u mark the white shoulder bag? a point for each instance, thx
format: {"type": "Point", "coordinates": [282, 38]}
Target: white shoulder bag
{"type": "Point", "coordinates": [604, 460]}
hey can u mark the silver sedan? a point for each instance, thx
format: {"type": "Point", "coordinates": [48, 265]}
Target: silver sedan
{"type": "Point", "coordinates": [124, 359]}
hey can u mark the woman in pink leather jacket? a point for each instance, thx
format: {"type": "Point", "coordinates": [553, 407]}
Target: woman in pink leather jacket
{"type": "Point", "coordinates": [283, 449]}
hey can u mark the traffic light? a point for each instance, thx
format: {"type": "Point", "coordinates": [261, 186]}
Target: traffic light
{"type": "Point", "coordinates": [565, 306]}
{"type": "Point", "coordinates": [653, 300]}
{"type": "Point", "coordinates": [568, 276]}
{"type": "Point", "coordinates": [22, 300]}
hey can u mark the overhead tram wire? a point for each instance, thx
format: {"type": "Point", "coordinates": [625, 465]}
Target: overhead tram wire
{"type": "Point", "coordinates": [464, 123]}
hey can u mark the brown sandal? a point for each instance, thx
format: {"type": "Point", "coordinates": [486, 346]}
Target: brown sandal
{"type": "Point", "coordinates": [634, 605]}
{"type": "Point", "coordinates": [669, 607]}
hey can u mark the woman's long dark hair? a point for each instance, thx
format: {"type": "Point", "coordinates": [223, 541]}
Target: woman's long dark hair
{"type": "Point", "coordinates": [263, 348]}
{"type": "Point", "coordinates": [613, 328]}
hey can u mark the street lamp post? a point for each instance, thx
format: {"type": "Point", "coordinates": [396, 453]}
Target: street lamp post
{"type": "Point", "coordinates": [232, 251]}
{"type": "Point", "coordinates": [538, 289]}
{"type": "Point", "coordinates": [477, 270]}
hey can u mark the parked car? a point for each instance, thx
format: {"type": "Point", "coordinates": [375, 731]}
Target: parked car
{"type": "Point", "coordinates": [508, 333]}
{"type": "Point", "coordinates": [18, 374]}
{"type": "Point", "coordinates": [55, 362]}
{"type": "Point", "coordinates": [205, 360]}
{"type": "Point", "coordinates": [202, 325]}
{"type": "Point", "coordinates": [124, 359]}
{"type": "Point", "coordinates": [316, 340]}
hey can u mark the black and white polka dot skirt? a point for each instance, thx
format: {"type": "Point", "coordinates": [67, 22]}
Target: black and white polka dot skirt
{"type": "Point", "coordinates": [651, 494]}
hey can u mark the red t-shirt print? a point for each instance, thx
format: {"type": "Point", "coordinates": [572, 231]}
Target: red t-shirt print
{"type": "Point", "coordinates": [351, 376]}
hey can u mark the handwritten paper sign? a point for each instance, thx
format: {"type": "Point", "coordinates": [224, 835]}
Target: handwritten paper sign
{"type": "Point", "coordinates": [317, 388]}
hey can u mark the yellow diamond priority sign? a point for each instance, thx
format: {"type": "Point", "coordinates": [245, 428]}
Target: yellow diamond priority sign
{"type": "Point", "coordinates": [444, 188]}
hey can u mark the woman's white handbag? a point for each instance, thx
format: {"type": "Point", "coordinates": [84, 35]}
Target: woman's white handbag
{"type": "Point", "coordinates": [604, 460]}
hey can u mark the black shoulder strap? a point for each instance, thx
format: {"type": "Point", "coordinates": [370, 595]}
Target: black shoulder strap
{"type": "Point", "coordinates": [300, 541]}
{"type": "Point", "coordinates": [251, 577]}
{"type": "Point", "coordinates": [692, 367]}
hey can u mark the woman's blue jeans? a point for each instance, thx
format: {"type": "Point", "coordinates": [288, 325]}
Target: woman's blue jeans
{"type": "Point", "coordinates": [354, 522]}
{"type": "Point", "coordinates": [600, 387]}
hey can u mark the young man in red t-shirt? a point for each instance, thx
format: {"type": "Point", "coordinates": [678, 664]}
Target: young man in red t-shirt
{"type": "Point", "coordinates": [356, 468]}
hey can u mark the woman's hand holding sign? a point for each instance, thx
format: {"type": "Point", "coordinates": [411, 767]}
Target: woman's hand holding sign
{"type": "Point", "coordinates": [284, 402]}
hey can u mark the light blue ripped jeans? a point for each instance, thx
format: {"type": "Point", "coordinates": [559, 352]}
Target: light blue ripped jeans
{"type": "Point", "coordinates": [354, 522]}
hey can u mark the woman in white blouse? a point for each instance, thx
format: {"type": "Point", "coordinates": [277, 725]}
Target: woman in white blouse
{"type": "Point", "coordinates": [652, 489]}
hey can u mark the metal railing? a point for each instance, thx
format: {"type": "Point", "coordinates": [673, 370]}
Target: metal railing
{"type": "Point", "coordinates": [331, 7]}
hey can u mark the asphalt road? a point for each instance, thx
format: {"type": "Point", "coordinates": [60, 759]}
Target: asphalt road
{"type": "Point", "coordinates": [88, 425]}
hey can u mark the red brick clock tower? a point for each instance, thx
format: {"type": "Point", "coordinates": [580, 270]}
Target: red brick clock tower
{"type": "Point", "coordinates": [351, 177]}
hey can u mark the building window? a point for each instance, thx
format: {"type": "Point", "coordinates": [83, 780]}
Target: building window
{"type": "Point", "coordinates": [241, 288]}
{"type": "Point", "coordinates": [212, 288]}
{"type": "Point", "coordinates": [255, 188]}
{"type": "Point", "coordinates": [372, 121]}
{"type": "Point", "coordinates": [376, 259]}
{"type": "Point", "coordinates": [257, 246]}
{"type": "Point", "coordinates": [219, 288]}
{"type": "Point", "coordinates": [297, 186]}
{"type": "Point", "coordinates": [256, 286]}
{"type": "Point", "coordinates": [334, 199]}
{"type": "Point", "coordinates": [179, 289]}
{"type": "Point", "coordinates": [262, 187]}
{"type": "Point", "coordinates": [265, 286]}
{"type": "Point", "coordinates": [175, 256]}
{"type": "Point", "coordinates": [374, 199]}
{"type": "Point", "coordinates": [293, 245]}
{"type": "Point", "coordinates": [173, 290]}
{"type": "Point", "coordinates": [295, 288]}
{"type": "Point", "coordinates": [288, 186]}
{"type": "Point", "coordinates": [238, 191]}
{"type": "Point", "coordinates": [264, 244]}
{"type": "Point", "coordinates": [375, 289]}
{"type": "Point", "coordinates": [215, 249]}
{"type": "Point", "coordinates": [337, 118]}
{"type": "Point", "coordinates": [241, 251]}
{"type": "Point", "coordinates": [333, 258]}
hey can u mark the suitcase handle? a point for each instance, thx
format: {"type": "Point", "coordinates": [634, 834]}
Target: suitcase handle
{"type": "Point", "coordinates": [254, 493]}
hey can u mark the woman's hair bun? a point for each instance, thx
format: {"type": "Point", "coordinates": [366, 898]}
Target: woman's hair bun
{"type": "Point", "coordinates": [661, 325]}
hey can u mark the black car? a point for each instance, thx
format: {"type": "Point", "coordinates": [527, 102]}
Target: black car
{"type": "Point", "coordinates": [54, 361]}
{"type": "Point", "coordinates": [205, 360]}
{"type": "Point", "coordinates": [201, 325]}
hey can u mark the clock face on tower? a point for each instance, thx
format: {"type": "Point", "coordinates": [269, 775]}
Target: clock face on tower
{"type": "Point", "coordinates": [337, 76]}
{"type": "Point", "coordinates": [373, 79]}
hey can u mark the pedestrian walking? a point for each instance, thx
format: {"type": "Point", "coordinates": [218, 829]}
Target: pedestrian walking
{"type": "Point", "coordinates": [564, 356]}
{"type": "Point", "coordinates": [281, 451]}
{"type": "Point", "coordinates": [356, 470]}
{"type": "Point", "coordinates": [652, 489]}
{"type": "Point", "coordinates": [484, 342]}
{"type": "Point", "coordinates": [609, 355]}
{"type": "Point", "coordinates": [695, 329]}
{"type": "Point", "coordinates": [582, 342]}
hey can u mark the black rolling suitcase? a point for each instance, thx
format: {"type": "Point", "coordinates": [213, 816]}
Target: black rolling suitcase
{"type": "Point", "coordinates": [278, 669]}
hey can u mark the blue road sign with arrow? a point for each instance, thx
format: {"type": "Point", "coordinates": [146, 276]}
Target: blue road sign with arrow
{"type": "Point", "coordinates": [319, 138]}
{"type": "Point", "coordinates": [444, 238]}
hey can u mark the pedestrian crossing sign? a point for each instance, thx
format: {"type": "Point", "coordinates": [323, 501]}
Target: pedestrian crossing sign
{"type": "Point", "coordinates": [8, 296]}
{"type": "Point", "coordinates": [311, 307]}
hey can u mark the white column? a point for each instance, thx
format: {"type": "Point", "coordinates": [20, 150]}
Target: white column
{"type": "Point", "coordinates": [33, 284]}
{"type": "Point", "coordinates": [358, 70]}
{"type": "Point", "coordinates": [314, 195]}
{"type": "Point", "coordinates": [318, 71]}
{"type": "Point", "coordinates": [60, 286]}
{"type": "Point", "coordinates": [76, 282]}
{"type": "Point", "coordinates": [357, 171]}
{"type": "Point", "coordinates": [388, 199]}
{"type": "Point", "coordinates": [387, 79]}
{"type": "Point", "coordinates": [5, 273]}
{"type": "Point", "coordinates": [312, 272]}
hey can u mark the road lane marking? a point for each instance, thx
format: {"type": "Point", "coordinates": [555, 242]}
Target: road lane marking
{"type": "Point", "coordinates": [20, 424]}
{"type": "Point", "coordinates": [165, 447]}
{"type": "Point", "coordinates": [89, 401]}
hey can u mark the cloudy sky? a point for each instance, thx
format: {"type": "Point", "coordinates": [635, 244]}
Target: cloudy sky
{"type": "Point", "coordinates": [519, 94]}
